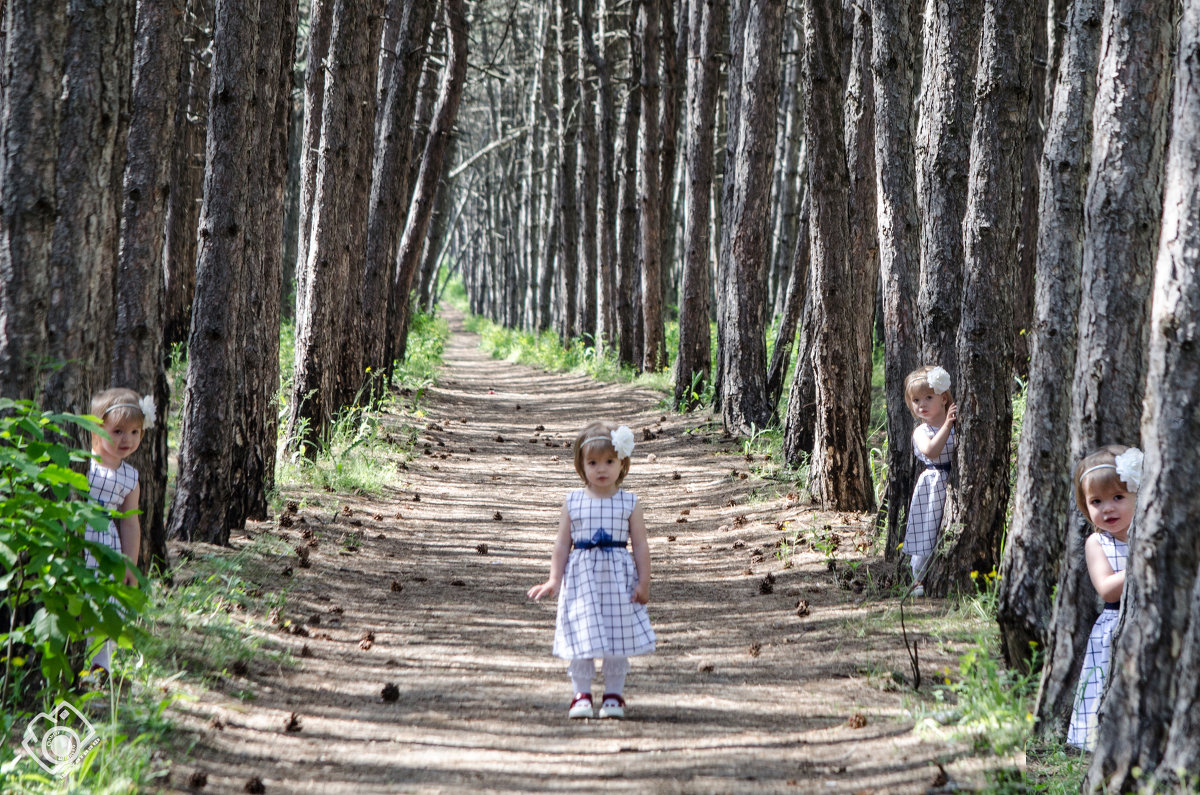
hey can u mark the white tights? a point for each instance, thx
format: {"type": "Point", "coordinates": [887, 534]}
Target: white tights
{"type": "Point", "coordinates": [919, 562]}
{"type": "Point", "coordinates": [583, 671]}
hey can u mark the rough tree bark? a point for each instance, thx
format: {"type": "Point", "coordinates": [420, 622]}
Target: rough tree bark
{"type": "Point", "coordinates": [568, 206]}
{"type": "Point", "coordinates": [973, 527]}
{"type": "Point", "coordinates": [444, 113]}
{"type": "Point", "coordinates": [1151, 723]}
{"type": "Point", "coordinates": [1043, 501]}
{"type": "Point", "coordinates": [83, 250]}
{"type": "Point", "coordinates": [842, 300]}
{"type": "Point", "coordinates": [943, 155]}
{"type": "Point", "coordinates": [628, 295]}
{"type": "Point", "coordinates": [203, 487]}
{"type": "Point", "coordinates": [649, 183]}
{"type": "Point", "coordinates": [139, 355]}
{"type": "Point", "coordinates": [1122, 213]}
{"type": "Point", "coordinates": [390, 191]}
{"type": "Point", "coordinates": [894, 56]}
{"type": "Point", "coordinates": [693, 362]}
{"type": "Point", "coordinates": [329, 370]}
{"type": "Point", "coordinates": [745, 250]}
{"type": "Point", "coordinates": [32, 81]}
{"type": "Point", "coordinates": [587, 178]}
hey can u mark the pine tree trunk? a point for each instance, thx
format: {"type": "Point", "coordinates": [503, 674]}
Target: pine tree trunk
{"type": "Point", "coordinates": [673, 49]}
{"type": "Point", "coordinates": [628, 295]}
{"type": "Point", "coordinates": [654, 356]}
{"type": "Point", "coordinates": [433, 160]}
{"type": "Point", "coordinates": [842, 296]}
{"type": "Point", "coordinates": [788, 185]}
{"type": "Point", "coordinates": [894, 57]}
{"type": "Point", "coordinates": [139, 357]}
{"type": "Point", "coordinates": [320, 25]}
{"type": "Point", "coordinates": [187, 171]}
{"type": "Point", "coordinates": [390, 190]}
{"type": "Point", "coordinates": [568, 207]}
{"type": "Point", "coordinates": [795, 297]}
{"type": "Point", "coordinates": [587, 179]}
{"type": "Point", "coordinates": [203, 487]}
{"type": "Point", "coordinates": [693, 363]}
{"type": "Point", "coordinates": [1044, 495]}
{"type": "Point", "coordinates": [973, 527]}
{"type": "Point", "coordinates": [32, 80]}
{"type": "Point", "coordinates": [943, 141]}
{"type": "Point", "coordinates": [1149, 720]}
{"type": "Point", "coordinates": [1122, 209]}
{"type": "Point", "coordinates": [329, 368]}
{"type": "Point", "coordinates": [83, 252]}
{"type": "Point", "coordinates": [745, 250]}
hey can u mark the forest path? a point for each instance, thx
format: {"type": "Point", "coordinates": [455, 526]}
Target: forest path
{"type": "Point", "coordinates": [742, 694]}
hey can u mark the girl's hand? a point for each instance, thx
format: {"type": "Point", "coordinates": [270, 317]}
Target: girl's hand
{"type": "Point", "coordinates": [641, 594]}
{"type": "Point", "coordinates": [130, 577]}
{"type": "Point", "coordinates": [548, 588]}
{"type": "Point", "coordinates": [952, 414]}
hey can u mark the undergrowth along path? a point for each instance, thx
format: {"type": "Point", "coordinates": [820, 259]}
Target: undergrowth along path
{"type": "Point", "coordinates": [769, 676]}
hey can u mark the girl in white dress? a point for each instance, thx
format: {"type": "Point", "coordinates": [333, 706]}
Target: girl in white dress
{"type": "Point", "coordinates": [927, 392]}
{"type": "Point", "coordinates": [113, 482]}
{"type": "Point", "coordinates": [605, 584]}
{"type": "Point", "coordinates": [1106, 484]}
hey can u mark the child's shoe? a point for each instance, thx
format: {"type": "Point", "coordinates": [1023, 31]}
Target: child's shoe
{"type": "Point", "coordinates": [581, 706]}
{"type": "Point", "coordinates": [613, 706]}
{"type": "Point", "coordinates": [918, 589]}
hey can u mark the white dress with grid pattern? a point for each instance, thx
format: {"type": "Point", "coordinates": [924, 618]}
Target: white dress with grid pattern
{"type": "Point", "coordinates": [595, 615]}
{"type": "Point", "coordinates": [109, 487]}
{"type": "Point", "coordinates": [1082, 732]}
{"type": "Point", "coordinates": [929, 497]}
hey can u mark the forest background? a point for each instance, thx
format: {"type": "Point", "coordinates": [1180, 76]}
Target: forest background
{"type": "Point", "coordinates": [1006, 189]}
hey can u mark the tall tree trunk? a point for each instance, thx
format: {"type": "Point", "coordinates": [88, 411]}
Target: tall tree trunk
{"type": "Point", "coordinates": [329, 370]}
{"type": "Point", "coordinates": [894, 57]}
{"type": "Point", "coordinates": [795, 297]}
{"type": "Point", "coordinates": [320, 25]}
{"type": "Point", "coordinates": [673, 49]}
{"type": "Point", "coordinates": [943, 162]}
{"type": "Point", "coordinates": [83, 251]}
{"type": "Point", "coordinates": [654, 354]}
{"type": "Point", "coordinates": [842, 297]}
{"type": "Point", "coordinates": [1122, 212]}
{"type": "Point", "coordinates": [1148, 722]}
{"type": "Point", "coordinates": [203, 487]}
{"type": "Point", "coordinates": [390, 191]}
{"type": "Point", "coordinates": [587, 180]}
{"type": "Point", "coordinates": [745, 251]}
{"type": "Point", "coordinates": [568, 207]}
{"type": "Point", "coordinates": [187, 171]}
{"type": "Point", "coordinates": [628, 297]}
{"type": "Point", "coordinates": [973, 527]}
{"type": "Point", "coordinates": [432, 162]}
{"type": "Point", "coordinates": [693, 363]}
{"type": "Point", "coordinates": [253, 470]}
{"type": "Point", "coordinates": [788, 189]}
{"type": "Point", "coordinates": [32, 80]}
{"type": "Point", "coordinates": [1044, 494]}
{"type": "Point", "coordinates": [139, 356]}
{"type": "Point", "coordinates": [801, 420]}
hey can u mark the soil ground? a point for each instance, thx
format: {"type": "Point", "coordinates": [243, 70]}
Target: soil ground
{"type": "Point", "coordinates": [742, 695]}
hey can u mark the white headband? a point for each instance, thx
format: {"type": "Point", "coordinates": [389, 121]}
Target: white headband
{"type": "Point", "coordinates": [145, 406]}
{"type": "Point", "coordinates": [621, 440]}
{"type": "Point", "coordinates": [1089, 471]}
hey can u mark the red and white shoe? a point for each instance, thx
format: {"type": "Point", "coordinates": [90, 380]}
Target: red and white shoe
{"type": "Point", "coordinates": [613, 706]}
{"type": "Point", "coordinates": [581, 706]}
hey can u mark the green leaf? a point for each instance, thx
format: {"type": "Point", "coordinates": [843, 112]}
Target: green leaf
{"type": "Point", "coordinates": [55, 474]}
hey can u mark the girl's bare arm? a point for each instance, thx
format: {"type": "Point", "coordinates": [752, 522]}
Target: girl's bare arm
{"type": "Point", "coordinates": [641, 554]}
{"type": "Point", "coordinates": [130, 531]}
{"type": "Point", "coordinates": [558, 559]}
{"type": "Point", "coordinates": [1108, 583]}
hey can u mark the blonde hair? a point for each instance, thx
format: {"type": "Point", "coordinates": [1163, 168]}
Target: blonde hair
{"type": "Point", "coordinates": [918, 381]}
{"type": "Point", "coordinates": [118, 404]}
{"type": "Point", "coordinates": [1103, 479]}
{"type": "Point", "coordinates": [597, 436]}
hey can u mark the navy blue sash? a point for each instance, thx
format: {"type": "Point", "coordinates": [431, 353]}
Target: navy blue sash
{"type": "Point", "coordinates": [602, 539]}
{"type": "Point", "coordinates": [939, 467]}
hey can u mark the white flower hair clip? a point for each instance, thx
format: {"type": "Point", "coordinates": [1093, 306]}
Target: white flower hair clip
{"type": "Point", "coordinates": [1129, 468]}
{"type": "Point", "coordinates": [622, 441]}
{"type": "Point", "coordinates": [145, 405]}
{"type": "Point", "coordinates": [939, 380]}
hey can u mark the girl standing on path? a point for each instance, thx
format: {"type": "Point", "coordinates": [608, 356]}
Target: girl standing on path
{"type": "Point", "coordinates": [1106, 484]}
{"type": "Point", "coordinates": [927, 390]}
{"type": "Point", "coordinates": [113, 482]}
{"type": "Point", "coordinates": [605, 588]}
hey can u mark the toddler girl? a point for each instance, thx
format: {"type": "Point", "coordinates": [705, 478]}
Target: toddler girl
{"type": "Point", "coordinates": [1106, 484]}
{"type": "Point", "coordinates": [605, 588]}
{"type": "Point", "coordinates": [927, 392]}
{"type": "Point", "coordinates": [114, 483]}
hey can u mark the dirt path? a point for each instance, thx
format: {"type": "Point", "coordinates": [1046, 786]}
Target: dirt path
{"type": "Point", "coordinates": [742, 694]}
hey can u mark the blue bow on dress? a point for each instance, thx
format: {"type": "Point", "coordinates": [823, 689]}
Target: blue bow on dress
{"type": "Point", "coordinates": [602, 539]}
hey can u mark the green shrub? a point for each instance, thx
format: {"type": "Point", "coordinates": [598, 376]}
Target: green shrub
{"type": "Point", "coordinates": [51, 599]}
